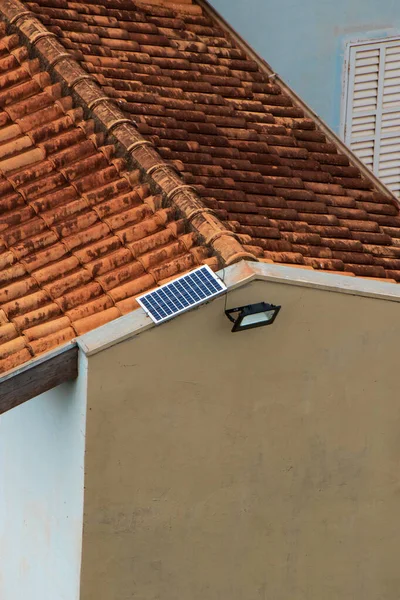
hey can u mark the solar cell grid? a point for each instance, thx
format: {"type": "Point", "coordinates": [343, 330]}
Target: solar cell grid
{"type": "Point", "coordinates": [181, 294]}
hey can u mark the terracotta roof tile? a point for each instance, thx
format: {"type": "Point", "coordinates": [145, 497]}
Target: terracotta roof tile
{"type": "Point", "coordinates": [46, 343]}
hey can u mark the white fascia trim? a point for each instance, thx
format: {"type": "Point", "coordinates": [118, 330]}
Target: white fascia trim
{"type": "Point", "coordinates": [114, 332]}
{"type": "Point", "coordinates": [322, 280]}
{"type": "Point", "coordinates": [236, 276]}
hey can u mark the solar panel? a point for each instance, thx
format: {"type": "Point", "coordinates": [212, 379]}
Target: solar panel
{"type": "Point", "coordinates": [183, 293]}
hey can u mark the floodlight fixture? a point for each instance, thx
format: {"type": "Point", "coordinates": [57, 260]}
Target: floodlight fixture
{"type": "Point", "coordinates": [252, 315]}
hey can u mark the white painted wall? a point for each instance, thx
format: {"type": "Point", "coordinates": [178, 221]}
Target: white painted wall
{"type": "Point", "coordinates": [42, 447]}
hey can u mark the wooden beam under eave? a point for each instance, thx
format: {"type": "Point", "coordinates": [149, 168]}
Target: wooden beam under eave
{"type": "Point", "coordinates": [30, 382]}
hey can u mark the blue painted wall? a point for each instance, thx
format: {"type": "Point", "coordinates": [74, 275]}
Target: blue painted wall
{"type": "Point", "coordinates": [304, 40]}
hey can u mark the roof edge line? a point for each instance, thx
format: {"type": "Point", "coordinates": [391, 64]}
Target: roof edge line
{"type": "Point", "coordinates": [265, 67]}
{"type": "Point", "coordinates": [234, 277]}
{"type": "Point", "coordinates": [224, 243]}
{"type": "Point", "coordinates": [326, 281]}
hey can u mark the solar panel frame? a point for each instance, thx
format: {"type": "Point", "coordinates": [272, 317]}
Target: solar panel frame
{"type": "Point", "coordinates": [181, 294]}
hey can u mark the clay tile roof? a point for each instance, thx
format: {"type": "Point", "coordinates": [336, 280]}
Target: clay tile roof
{"type": "Point", "coordinates": [253, 153]}
{"type": "Point", "coordinates": [82, 232]}
{"type": "Point", "coordinates": [138, 140]}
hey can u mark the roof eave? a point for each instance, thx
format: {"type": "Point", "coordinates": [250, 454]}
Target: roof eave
{"type": "Point", "coordinates": [61, 365]}
{"type": "Point", "coordinates": [37, 376]}
{"type": "Point", "coordinates": [237, 276]}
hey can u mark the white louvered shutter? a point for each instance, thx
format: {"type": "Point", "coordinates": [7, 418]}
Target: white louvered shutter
{"type": "Point", "coordinates": [372, 120]}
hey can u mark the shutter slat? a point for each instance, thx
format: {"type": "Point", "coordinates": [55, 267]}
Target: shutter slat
{"type": "Point", "coordinates": [367, 70]}
{"type": "Point", "coordinates": [389, 164]}
{"type": "Point", "coordinates": [366, 85]}
{"type": "Point", "coordinates": [370, 76]}
{"type": "Point", "coordinates": [364, 62]}
{"type": "Point", "coordinates": [367, 152]}
{"type": "Point", "coordinates": [393, 49]}
{"type": "Point", "coordinates": [389, 176]}
{"type": "Point", "coordinates": [363, 93]}
{"type": "Point", "coordinates": [365, 104]}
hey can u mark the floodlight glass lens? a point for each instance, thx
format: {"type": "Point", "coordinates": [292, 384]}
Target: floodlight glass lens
{"type": "Point", "coordinates": [261, 317]}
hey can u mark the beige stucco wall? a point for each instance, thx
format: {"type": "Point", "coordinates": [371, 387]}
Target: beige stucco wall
{"type": "Point", "coordinates": [256, 465]}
